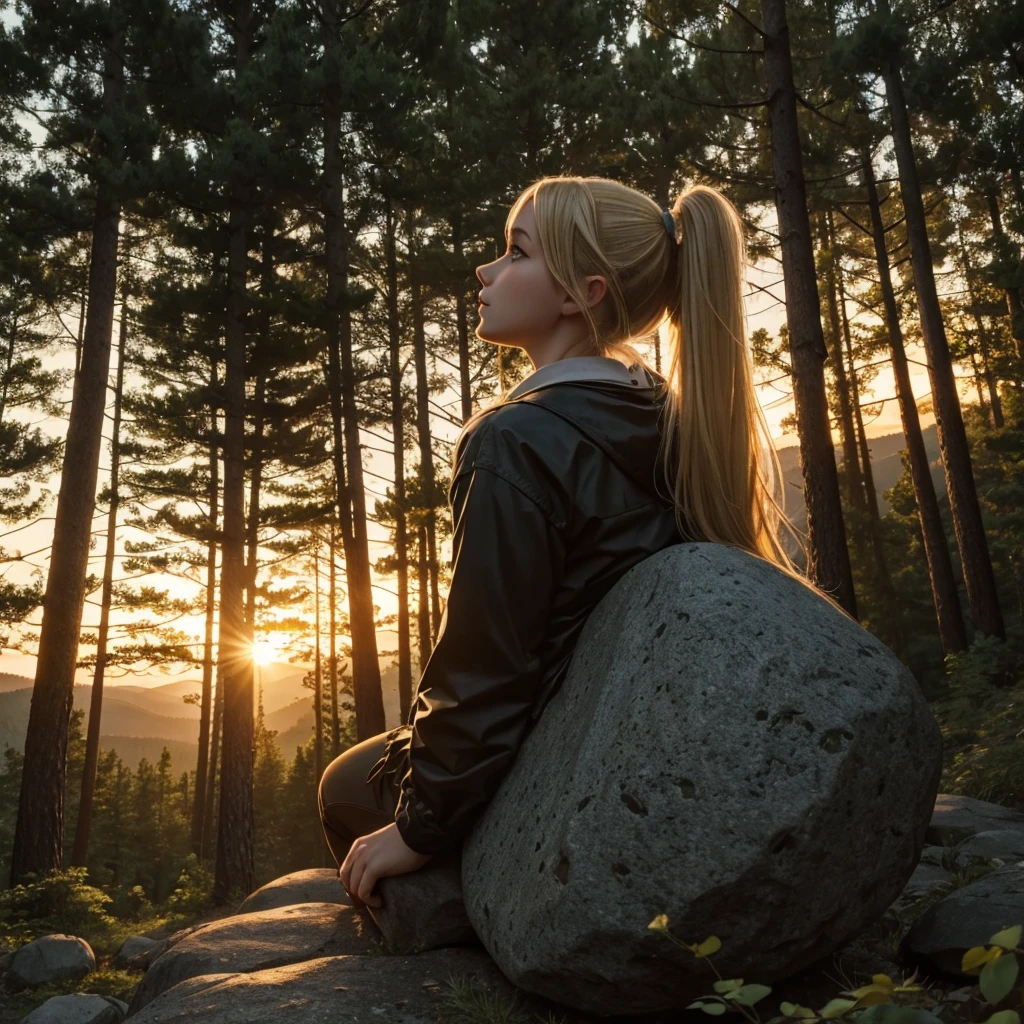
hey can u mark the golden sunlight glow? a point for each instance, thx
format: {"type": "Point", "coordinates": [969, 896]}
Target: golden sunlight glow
{"type": "Point", "coordinates": [264, 652]}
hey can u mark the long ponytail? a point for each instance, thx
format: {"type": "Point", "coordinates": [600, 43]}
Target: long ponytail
{"type": "Point", "coordinates": [717, 448]}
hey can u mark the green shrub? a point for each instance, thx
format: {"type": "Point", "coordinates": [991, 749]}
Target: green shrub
{"type": "Point", "coordinates": [58, 901]}
{"type": "Point", "coordinates": [193, 891]}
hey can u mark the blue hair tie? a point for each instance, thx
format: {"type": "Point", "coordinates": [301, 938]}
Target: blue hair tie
{"type": "Point", "coordinates": [670, 223]}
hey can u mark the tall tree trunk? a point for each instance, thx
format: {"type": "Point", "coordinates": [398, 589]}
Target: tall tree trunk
{"type": "Point", "coordinates": [38, 836]}
{"type": "Point", "coordinates": [235, 868]}
{"type": "Point", "coordinates": [956, 455]}
{"type": "Point", "coordinates": [402, 538]}
{"type": "Point", "coordinates": [990, 377]}
{"type": "Point", "coordinates": [318, 679]}
{"type": "Point", "coordinates": [828, 558]}
{"type": "Point", "coordinates": [422, 594]}
{"type": "Point", "coordinates": [203, 760]}
{"type": "Point", "coordinates": [427, 484]}
{"type": "Point", "coordinates": [366, 682]}
{"type": "Point", "coordinates": [211, 797]}
{"type": "Point", "coordinates": [949, 616]}
{"type": "Point", "coordinates": [851, 465]}
{"type": "Point", "coordinates": [1005, 246]}
{"type": "Point", "coordinates": [83, 826]}
{"type": "Point", "coordinates": [333, 646]}
{"type": "Point", "coordinates": [465, 389]}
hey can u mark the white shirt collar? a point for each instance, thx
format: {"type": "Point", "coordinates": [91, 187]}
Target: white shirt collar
{"type": "Point", "coordinates": [582, 368]}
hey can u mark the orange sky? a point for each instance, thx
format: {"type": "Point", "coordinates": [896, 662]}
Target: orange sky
{"type": "Point", "coordinates": [762, 312]}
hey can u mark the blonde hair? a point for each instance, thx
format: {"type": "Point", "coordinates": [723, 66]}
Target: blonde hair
{"type": "Point", "coordinates": [716, 448]}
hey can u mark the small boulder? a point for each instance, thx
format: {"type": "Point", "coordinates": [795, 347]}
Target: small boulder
{"type": "Point", "coordinates": [1006, 845]}
{"type": "Point", "coordinates": [958, 817]}
{"type": "Point", "coordinates": [78, 1008]}
{"type": "Point", "coordinates": [313, 885]}
{"type": "Point", "coordinates": [967, 917]}
{"type": "Point", "coordinates": [392, 989]}
{"type": "Point", "coordinates": [723, 735]}
{"type": "Point", "coordinates": [132, 947]}
{"type": "Point", "coordinates": [49, 959]}
{"type": "Point", "coordinates": [257, 941]}
{"type": "Point", "coordinates": [424, 909]}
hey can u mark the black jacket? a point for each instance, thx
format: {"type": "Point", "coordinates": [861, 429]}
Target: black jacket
{"type": "Point", "coordinates": [554, 496]}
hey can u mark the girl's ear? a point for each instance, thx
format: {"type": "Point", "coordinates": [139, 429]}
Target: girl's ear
{"type": "Point", "coordinates": [596, 286]}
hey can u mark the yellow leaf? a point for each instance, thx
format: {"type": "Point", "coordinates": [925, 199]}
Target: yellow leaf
{"type": "Point", "coordinates": [712, 944]}
{"type": "Point", "coordinates": [978, 956]}
{"type": "Point", "coordinates": [1008, 938]}
{"type": "Point", "coordinates": [881, 979]}
{"type": "Point", "coordinates": [660, 923]}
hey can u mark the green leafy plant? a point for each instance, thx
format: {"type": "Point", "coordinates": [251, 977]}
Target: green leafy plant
{"type": "Point", "coordinates": [194, 889]}
{"type": "Point", "coordinates": [882, 1001]}
{"type": "Point", "coordinates": [58, 901]}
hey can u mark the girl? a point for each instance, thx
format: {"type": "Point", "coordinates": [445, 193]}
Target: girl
{"type": "Point", "coordinates": [591, 464]}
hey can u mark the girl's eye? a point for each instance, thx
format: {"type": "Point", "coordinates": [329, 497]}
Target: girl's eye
{"type": "Point", "coordinates": [512, 250]}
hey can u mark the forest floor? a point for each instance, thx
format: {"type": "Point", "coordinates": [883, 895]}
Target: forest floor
{"type": "Point", "coordinates": [106, 980]}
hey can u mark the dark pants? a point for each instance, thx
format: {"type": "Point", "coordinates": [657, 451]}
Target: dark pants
{"type": "Point", "coordinates": [351, 807]}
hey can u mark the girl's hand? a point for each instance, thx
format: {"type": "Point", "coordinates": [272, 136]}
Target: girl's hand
{"type": "Point", "coordinates": [381, 854]}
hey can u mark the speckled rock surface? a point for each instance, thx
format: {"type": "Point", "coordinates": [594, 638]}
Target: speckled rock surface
{"type": "Point", "coordinates": [958, 817]}
{"type": "Point", "coordinates": [724, 737]}
{"type": "Point", "coordinates": [254, 942]}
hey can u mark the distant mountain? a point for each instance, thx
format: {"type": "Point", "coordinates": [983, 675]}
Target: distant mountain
{"type": "Point", "coordinates": [139, 720]}
{"type": "Point", "coordinates": [886, 468]}
{"type": "Point", "coordinates": [10, 682]}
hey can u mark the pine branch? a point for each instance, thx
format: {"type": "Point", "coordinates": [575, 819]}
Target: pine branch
{"type": "Point", "coordinates": [685, 39]}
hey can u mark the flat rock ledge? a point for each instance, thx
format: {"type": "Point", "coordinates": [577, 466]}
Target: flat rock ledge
{"type": "Point", "coordinates": [254, 942]}
{"type": "Point", "coordinates": [390, 989]}
{"type": "Point", "coordinates": [313, 885]}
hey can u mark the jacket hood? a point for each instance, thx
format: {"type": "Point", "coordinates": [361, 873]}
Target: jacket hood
{"type": "Point", "coordinates": [621, 412]}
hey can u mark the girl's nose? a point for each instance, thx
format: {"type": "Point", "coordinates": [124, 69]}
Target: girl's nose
{"type": "Point", "coordinates": [480, 274]}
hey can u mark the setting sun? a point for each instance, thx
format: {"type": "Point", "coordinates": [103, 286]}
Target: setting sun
{"type": "Point", "coordinates": [263, 652]}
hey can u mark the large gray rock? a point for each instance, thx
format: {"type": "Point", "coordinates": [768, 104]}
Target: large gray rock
{"type": "Point", "coordinates": [391, 989]}
{"type": "Point", "coordinates": [424, 909]}
{"type": "Point", "coordinates": [724, 736]}
{"type": "Point", "coordinates": [313, 885]}
{"type": "Point", "coordinates": [77, 1008]}
{"type": "Point", "coordinates": [256, 942]}
{"type": "Point", "coordinates": [967, 917]}
{"type": "Point", "coordinates": [49, 959]}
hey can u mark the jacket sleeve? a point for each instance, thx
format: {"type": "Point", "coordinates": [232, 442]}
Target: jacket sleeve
{"type": "Point", "coordinates": [472, 707]}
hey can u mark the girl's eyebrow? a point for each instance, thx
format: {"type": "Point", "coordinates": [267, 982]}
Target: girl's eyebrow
{"type": "Point", "coordinates": [523, 233]}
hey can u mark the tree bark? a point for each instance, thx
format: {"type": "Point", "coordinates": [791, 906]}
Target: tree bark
{"type": "Point", "coordinates": [828, 564]}
{"type": "Point", "coordinates": [235, 867]}
{"type": "Point", "coordinates": [366, 681]}
{"type": "Point", "coordinates": [38, 836]}
{"type": "Point", "coordinates": [402, 538]}
{"type": "Point", "coordinates": [83, 826]}
{"type": "Point", "coordinates": [333, 646]}
{"type": "Point", "coordinates": [956, 455]}
{"type": "Point", "coordinates": [1013, 300]}
{"type": "Point", "coordinates": [995, 402]}
{"type": "Point", "coordinates": [199, 822]}
{"type": "Point", "coordinates": [427, 483]}
{"type": "Point", "coordinates": [949, 616]}
{"type": "Point", "coordinates": [851, 464]}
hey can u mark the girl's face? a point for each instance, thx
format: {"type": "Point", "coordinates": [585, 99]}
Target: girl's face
{"type": "Point", "coordinates": [521, 304]}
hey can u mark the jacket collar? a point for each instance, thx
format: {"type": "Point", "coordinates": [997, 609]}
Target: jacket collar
{"type": "Point", "coordinates": [581, 369]}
